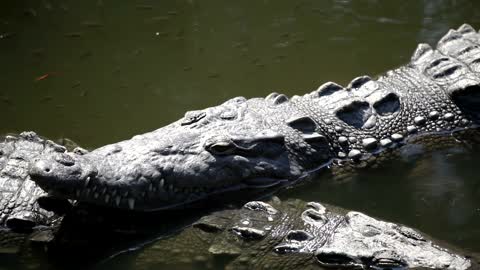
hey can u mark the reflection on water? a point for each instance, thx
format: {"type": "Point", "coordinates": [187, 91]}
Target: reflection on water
{"type": "Point", "coordinates": [99, 71]}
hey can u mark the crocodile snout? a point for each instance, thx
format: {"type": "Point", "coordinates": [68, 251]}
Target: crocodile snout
{"type": "Point", "coordinates": [46, 173]}
{"type": "Point", "coordinates": [59, 169]}
{"type": "Point", "coordinates": [58, 164]}
{"type": "Point", "coordinates": [41, 168]}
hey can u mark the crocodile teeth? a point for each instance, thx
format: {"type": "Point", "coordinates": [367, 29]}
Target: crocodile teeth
{"type": "Point", "coordinates": [95, 195]}
{"type": "Point", "coordinates": [107, 198]}
{"type": "Point", "coordinates": [162, 183]}
{"type": "Point", "coordinates": [117, 200]}
{"type": "Point", "coordinates": [87, 181]}
{"type": "Point", "coordinates": [150, 187]}
{"type": "Point", "coordinates": [77, 193]}
{"type": "Point", "coordinates": [131, 203]}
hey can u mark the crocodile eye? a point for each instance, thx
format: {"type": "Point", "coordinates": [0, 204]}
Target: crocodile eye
{"type": "Point", "coordinates": [220, 148]}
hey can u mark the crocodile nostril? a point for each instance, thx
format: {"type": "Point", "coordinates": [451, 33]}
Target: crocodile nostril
{"type": "Point", "coordinates": [40, 168]}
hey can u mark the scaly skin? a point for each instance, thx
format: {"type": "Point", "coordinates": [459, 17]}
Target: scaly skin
{"type": "Point", "coordinates": [21, 215]}
{"type": "Point", "coordinates": [19, 209]}
{"type": "Point", "coordinates": [261, 143]}
{"type": "Point", "coordinates": [299, 235]}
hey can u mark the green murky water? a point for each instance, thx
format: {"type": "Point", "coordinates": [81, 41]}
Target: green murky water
{"type": "Point", "coordinates": [100, 71]}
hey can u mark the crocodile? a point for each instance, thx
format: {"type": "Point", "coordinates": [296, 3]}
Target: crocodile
{"type": "Point", "coordinates": [19, 194]}
{"type": "Point", "coordinates": [253, 145]}
{"type": "Point", "coordinates": [294, 234]}
{"type": "Point", "coordinates": [289, 234]}
{"type": "Point", "coordinates": [25, 208]}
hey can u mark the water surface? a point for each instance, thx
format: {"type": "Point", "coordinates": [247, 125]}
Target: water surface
{"type": "Point", "coordinates": [99, 71]}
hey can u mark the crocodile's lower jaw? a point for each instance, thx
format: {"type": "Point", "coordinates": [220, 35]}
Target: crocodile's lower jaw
{"type": "Point", "coordinates": [161, 196]}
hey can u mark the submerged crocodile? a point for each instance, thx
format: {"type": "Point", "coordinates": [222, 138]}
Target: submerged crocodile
{"type": "Point", "coordinates": [298, 235]}
{"type": "Point", "coordinates": [276, 235]}
{"type": "Point", "coordinates": [253, 145]}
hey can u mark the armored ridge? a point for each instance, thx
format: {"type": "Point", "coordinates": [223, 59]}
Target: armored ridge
{"type": "Point", "coordinates": [262, 143]}
{"type": "Point", "coordinates": [298, 235]}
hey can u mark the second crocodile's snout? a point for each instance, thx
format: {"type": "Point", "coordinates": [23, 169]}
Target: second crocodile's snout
{"type": "Point", "coordinates": [65, 167]}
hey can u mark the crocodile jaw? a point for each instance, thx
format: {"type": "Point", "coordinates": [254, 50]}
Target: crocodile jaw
{"type": "Point", "coordinates": [81, 178]}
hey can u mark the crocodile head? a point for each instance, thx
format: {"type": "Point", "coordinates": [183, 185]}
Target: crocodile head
{"type": "Point", "coordinates": [226, 148]}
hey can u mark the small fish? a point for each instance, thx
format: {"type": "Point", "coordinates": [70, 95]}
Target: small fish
{"type": "Point", "coordinates": [44, 76]}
